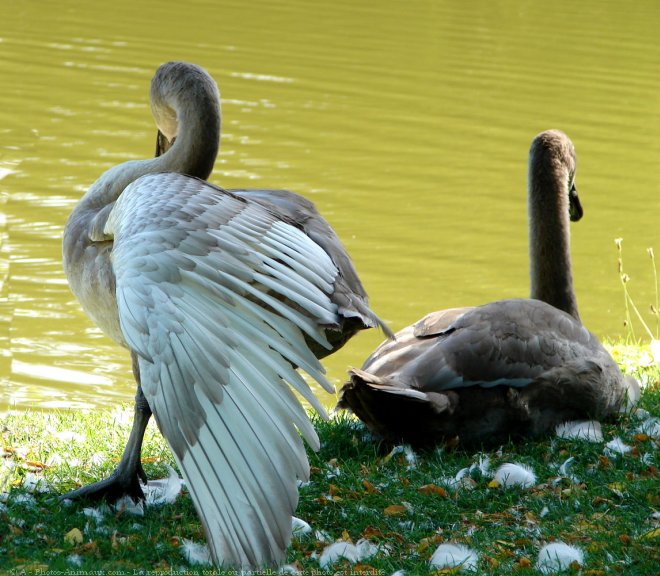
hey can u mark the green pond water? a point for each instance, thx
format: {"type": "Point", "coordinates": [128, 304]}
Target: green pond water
{"type": "Point", "coordinates": [407, 123]}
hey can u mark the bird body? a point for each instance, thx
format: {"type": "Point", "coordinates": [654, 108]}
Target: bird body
{"type": "Point", "coordinates": [505, 370]}
{"type": "Point", "coordinates": [218, 296]}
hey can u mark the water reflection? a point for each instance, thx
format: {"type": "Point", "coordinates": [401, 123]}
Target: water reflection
{"type": "Point", "coordinates": [407, 124]}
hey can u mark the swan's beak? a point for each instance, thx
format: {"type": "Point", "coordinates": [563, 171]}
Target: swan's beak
{"type": "Point", "coordinates": [163, 144]}
{"type": "Point", "coordinates": [574, 206]}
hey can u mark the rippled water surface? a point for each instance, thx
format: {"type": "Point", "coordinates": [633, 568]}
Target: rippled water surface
{"type": "Point", "coordinates": [407, 123]}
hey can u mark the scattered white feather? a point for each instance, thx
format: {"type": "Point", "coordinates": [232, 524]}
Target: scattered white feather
{"type": "Point", "coordinates": [454, 555]}
{"type": "Point", "coordinates": [481, 466]}
{"type": "Point", "coordinates": [338, 550]}
{"type": "Point", "coordinates": [563, 469]}
{"type": "Point", "coordinates": [508, 475]}
{"type": "Point", "coordinates": [34, 483]}
{"type": "Point", "coordinates": [332, 472]}
{"type": "Point", "coordinates": [126, 505]}
{"type": "Point", "coordinates": [26, 499]}
{"type": "Point", "coordinates": [70, 436]}
{"type": "Point", "coordinates": [408, 453]}
{"type": "Point", "coordinates": [95, 513]}
{"type": "Point", "coordinates": [164, 490]}
{"type": "Point", "coordinates": [196, 554]}
{"type": "Point", "coordinates": [650, 427]}
{"type": "Point", "coordinates": [617, 447]}
{"type": "Point", "coordinates": [74, 560]}
{"type": "Point", "coordinates": [54, 460]}
{"type": "Point", "coordinates": [97, 458]}
{"type": "Point", "coordinates": [544, 512]}
{"type": "Point", "coordinates": [411, 457]}
{"type": "Point", "coordinates": [156, 493]}
{"type": "Point", "coordinates": [322, 536]}
{"type": "Point", "coordinates": [589, 430]}
{"type": "Point", "coordinates": [300, 527]}
{"type": "Point", "coordinates": [564, 472]}
{"type": "Point", "coordinates": [368, 549]}
{"type": "Point", "coordinates": [399, 573]}
{"type": "Point", "coordinates": [462, 473]}
{"type": "Point", "coordinates": [558, 556]}
{"type": "Point", "coordinates": [351, 552]}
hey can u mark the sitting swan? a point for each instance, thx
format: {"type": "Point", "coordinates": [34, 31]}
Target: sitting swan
{"type": "Point", "coordinates": [218, 296]}
{"type": "Point", "coordinates": [509, 369]}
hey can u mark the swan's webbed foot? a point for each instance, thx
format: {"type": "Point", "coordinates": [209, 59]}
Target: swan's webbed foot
{"type": "Point", "coordinates": [125, 480]}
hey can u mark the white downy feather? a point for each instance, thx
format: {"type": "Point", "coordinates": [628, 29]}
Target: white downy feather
{"type": "Point", "coordinates": [450, 555]}
{"type": "Point", "coordinates": [558, 556]}
{"type": "Point", "coordinates": [508, 475]}
{"type": "Point", "coordinates": [589, 430]}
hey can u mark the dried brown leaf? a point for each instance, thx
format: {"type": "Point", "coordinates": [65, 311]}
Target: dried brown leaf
{"type": "Point", "coordinates": [395, 510]}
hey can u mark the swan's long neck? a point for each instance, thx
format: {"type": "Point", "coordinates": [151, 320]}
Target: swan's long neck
{"type": "Point", "coordinates": [185, 103]}
{"type": "Point", "coordinates": [549, 235]}
{"type": "Point", "coordinates": [186, 106]}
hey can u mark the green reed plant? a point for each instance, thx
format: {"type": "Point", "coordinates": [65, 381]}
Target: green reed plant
{"type": "Point", "coordinates": [629, 304]}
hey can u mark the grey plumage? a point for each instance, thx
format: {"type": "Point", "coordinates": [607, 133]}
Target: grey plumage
{"type": "Point", "coordinates": [506, 370]}
{"type": "Point", "coordinates": [219, 296]}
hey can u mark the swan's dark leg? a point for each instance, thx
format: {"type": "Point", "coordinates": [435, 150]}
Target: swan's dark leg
{"type": "Point", "coordinates": [125, 480]}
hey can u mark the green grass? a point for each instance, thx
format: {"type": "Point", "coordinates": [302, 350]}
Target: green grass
{"type": "Point", "coordinates": [356, 491]}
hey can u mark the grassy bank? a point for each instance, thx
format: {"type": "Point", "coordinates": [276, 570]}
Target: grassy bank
{"type": "Point", "coordinates": [401, 504]}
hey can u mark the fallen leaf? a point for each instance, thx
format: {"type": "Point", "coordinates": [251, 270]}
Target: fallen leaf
{"type": "Point", "coordinates": [371, 532]}
{"type": "Point", "coordinates": [73, 537]}
{"type": "Point", "coordinates": [369, 487]}
{"type": "Point", "coordinates": [345, 536]}
{"type": "Point", "coordinates": [433, 490]}
{"type": "Point", "coordinates": [395, 510]}
{"type": "Point", "coordinates": [365, 569]}
{"type": "Point", "coordinates": [655, 533]}
{"type": "Point", "coordinates": [87, 547]}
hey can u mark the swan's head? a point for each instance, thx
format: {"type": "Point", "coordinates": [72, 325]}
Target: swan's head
{"type": "Point", "coordinates": [552, 155]}
{"type": "Point", "coordinates": [181, 91]}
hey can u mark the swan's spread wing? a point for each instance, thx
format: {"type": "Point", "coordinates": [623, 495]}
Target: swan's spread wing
{"type": "Point", "coordinates": [349, 294]}
{"type": "Point", "coordinates": [214, 294]}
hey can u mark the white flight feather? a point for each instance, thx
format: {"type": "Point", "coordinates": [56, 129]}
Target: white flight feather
{"type": "Point", "coordinates": [216, 365]}
{"type": "Point", "coordinates": [246, 337]}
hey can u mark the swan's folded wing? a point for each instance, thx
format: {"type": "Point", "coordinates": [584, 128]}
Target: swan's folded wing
{"type": "Point", "coordinates": [214, 295]}
{"type": "Point", "coordinates": [508, 342]}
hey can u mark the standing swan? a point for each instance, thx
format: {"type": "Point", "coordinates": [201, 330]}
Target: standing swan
{"type": "Point", "coordinates": [218, 298]}
{"type": "Point", "coordinates": [508, 369]}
